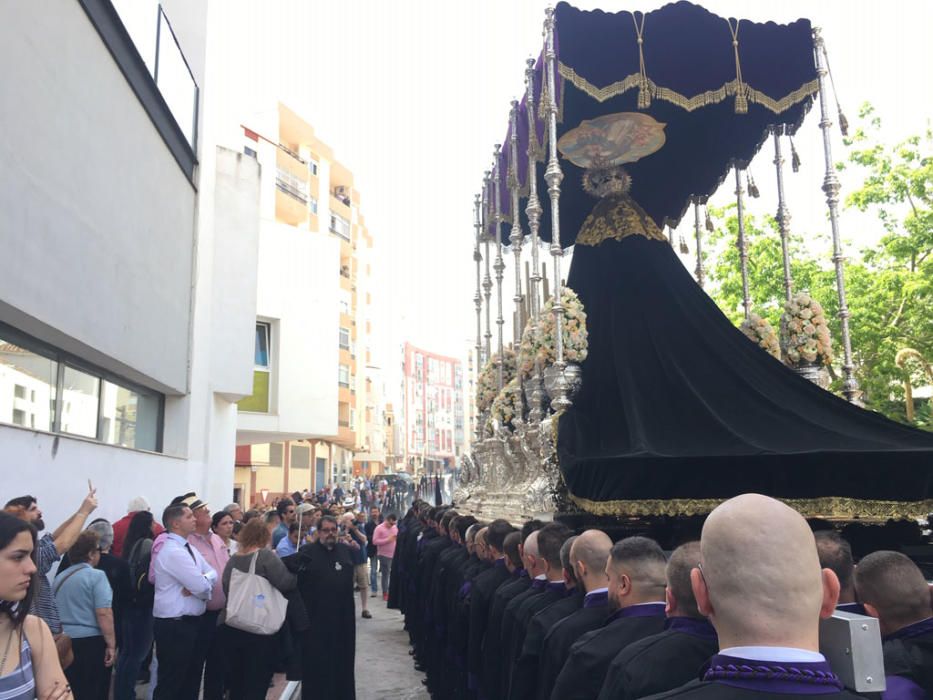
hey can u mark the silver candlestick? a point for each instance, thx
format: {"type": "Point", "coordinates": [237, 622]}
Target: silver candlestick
{"type": "Point", "coordinates": [533, 211]}
{"type": "Point", "coordinates": [831, 188]}
{"type": "Point", "coordinates": [499, 265]}
{"type": "Point", "coordinates": [742, 243]}
{"type": "Point", "coordinates": [487, 280]}
{"type": "Point", "coordinates": [783, 214]}
{"type": "Point", "coordinates": [478, 298]}
{"type": "Point", "coordinates": [515, 237]}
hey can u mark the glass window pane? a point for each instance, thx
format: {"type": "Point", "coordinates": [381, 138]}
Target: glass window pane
{"type": "Point", "coordinates": [27, 387]}
{"type": "Point", "coordinates": [262, 345]}
{"type": "Point", "coordinates": [259, 401]}
{"type": "Point", "coordinates": [128, 418]}
{"type": "Point", "coordinates": [80, 393]}
{"type": "Point", "coordinates": [300, 457]}
{"type": "Point", "coordinates": [175, 81]}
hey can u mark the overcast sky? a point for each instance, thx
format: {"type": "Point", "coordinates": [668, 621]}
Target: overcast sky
{"type": "Point", "coordinates": [412, 95]}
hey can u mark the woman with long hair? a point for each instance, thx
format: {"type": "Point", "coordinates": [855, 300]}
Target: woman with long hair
{"type": "Point", "coordinates": [29, 665]}
{"type": "Point", "coordinates": [137, 617]}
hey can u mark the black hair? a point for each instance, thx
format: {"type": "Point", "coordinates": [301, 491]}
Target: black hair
{"type": "Point", "coordinates": [283, 505]}
{"type": "Point", "coordinates": [21, 502]}
{"type": "Point", "coordinates": [497, 530]}
{"type": "Point", "coordinates": [390, 516]}
{"type": "Point", "coordinates": [140, 528]}
{"type": "Point", "coordinates": [550, 539]}
{"type": "Point", "coordinates": [173, 513]}
{"type": "Point", "coordinates": [512, 540]}
{"type": "Point", "coordinates": [529, 527]}
{"type": "Point", "coordinates": [218, 516]}
{"type": "Point", "coordinates": [327, 519]}
{"type": "Point", "coordinates": [463, 524]}
{"type": "Point", "coordinates": [294, 527]}
{"type": "Point", "coordinates": [10, 527]}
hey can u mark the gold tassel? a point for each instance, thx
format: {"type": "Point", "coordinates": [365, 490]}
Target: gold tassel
{"type": "Point", "coordinates": [644, 89]}
{"type": "Point", "coordinates": [709, 223]}
{"type": "Point", "coordinates": [741, 91]}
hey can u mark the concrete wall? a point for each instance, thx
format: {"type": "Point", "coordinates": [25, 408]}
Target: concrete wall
{"type": "Point", "coordinates": [96, 217]}
{"type": "Point", "coordinates": [298, 286]}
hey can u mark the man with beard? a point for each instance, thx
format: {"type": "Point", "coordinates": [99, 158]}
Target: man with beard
{"type": "Point", "coordinates": [588, 555]}
{"type": "Point", "coordinates": [636, 598]}
{"type": "Point", "coordinates": [675, 656]}
{"type": "Point", "coordinates": [325, 582]}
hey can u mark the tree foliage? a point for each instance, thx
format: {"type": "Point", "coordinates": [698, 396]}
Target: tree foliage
{"type": "Point", "coordinates": [889, 285]}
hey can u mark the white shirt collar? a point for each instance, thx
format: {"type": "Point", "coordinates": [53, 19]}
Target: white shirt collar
{"type": "Point", "coordinates": [773, 654]}
{"type": "Point", "coordinates": [597, 590]}
{"type": "Point", "coordinates": [541, 577]}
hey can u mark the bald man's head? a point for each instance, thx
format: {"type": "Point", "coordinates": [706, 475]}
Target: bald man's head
{"type": "Point", "coordinates": [761, 582]}
{"type": "Point", "coordinates": [893, 589]}
{"type": "Point", "coordinates": [534, 565]}
{"type": "Point", "coordinates": [680, 599]}
{"type": "Point", "coordinates": [589, 554]}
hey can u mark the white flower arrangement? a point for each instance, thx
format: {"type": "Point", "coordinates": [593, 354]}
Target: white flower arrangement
{"type": "Point", "coordinates": [760, 332]}
{"type": "Point", "coordinates": [508, 404]}
{"type": "Point", "coordinates": [488, 381]}
{"type": "Point", "coordinates": [804, 332]}
{"type": "Point", "coordinates": [527, 351]}
{"type": "Point", "coordinates": [573, 327]}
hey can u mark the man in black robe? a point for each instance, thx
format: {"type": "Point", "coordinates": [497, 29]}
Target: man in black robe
{"type": "Point", "coordinates": [459, 635]}
{"type": "Point", "coordinates": [760, 584]}
{"type": "Point", "coordinates": [433, 656]}
{"type": "Point", "coordinates": [414, 613]}
{"type": "Point", "coordinates": [550, 539]}
{"type": "Point", "coordinates": [675, 656]}
{"type": "Point", "coordinates": [517, 583]}
{"type": "Point", "coordinates": [835, 553]}
{"type": "Point", "coordinates": [481, 592]}
{"type": "Point", "coordinates": [450, 577]}
{"type": "Point", "coordinates": [588, 555]}
{"type": "Point", "coordinates": [328, 648]}
{"type": "Point", "coordinates": [636, 597]}
{"type": "Point", "coordinates": [894, 590]}
{"type": "Point", "coordinates": [525, 667]}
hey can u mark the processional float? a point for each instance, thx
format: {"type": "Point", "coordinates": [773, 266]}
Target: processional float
{"type": "Point", "coordinates": [628, 394]}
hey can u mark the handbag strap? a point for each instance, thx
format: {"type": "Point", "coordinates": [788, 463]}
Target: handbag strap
{"type": "Point", "coordinates": [252, 563]}
{"type": "Point", "coordinates": [59, 584]}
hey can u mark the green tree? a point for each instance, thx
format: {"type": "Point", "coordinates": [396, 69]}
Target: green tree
{"type": "Point", "coordinates": [889, 285]}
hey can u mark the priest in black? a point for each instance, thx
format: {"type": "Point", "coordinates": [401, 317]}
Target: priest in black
{"type": "Point", "coordinates": [760, 584]}
{"type": "Point", "coordinates": [675, 656]}
{"type": "Point", "coordinates": [481, 593]}
{"type": "Point", "coordinates": [525, 666]}
{"type": "Point", "coordinates": [589, 554]}
{"type": "Point", "coordinates": [895, 591]}
{"type": "Point", "coordinates": [636, 595]}
{"type": "Point", "coordinates": [325, 582]}
{"type": "Point", "coordinates": [517, 583]}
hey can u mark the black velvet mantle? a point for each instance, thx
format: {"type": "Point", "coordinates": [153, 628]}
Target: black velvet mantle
{"type": "Point", "coordinates": [677, 404]}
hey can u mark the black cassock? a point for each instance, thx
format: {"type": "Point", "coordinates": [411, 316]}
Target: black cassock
{"type": "Point", "coordinates": [525, 668]}
{"type": "Point", "coordinates": [583, 673]}
{"type": "Point", "coordinates": [481, 594]}
{"type": "Point", "coordinates": [328, 648]}
{"type": "Point", "coordinates": [661, 662]}
{"type": "Point", "coordinates": [564, 634]}
{"type": "Point", "coordinates": [492, 642]}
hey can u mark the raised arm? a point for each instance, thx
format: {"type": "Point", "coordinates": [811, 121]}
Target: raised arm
{"type": "Point", "coordinates": [66, 533]}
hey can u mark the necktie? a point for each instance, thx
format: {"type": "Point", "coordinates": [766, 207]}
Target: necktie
{"type": "Point", "coordinates": [191, 552]}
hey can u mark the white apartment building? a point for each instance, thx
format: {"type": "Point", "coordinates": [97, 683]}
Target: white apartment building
{"type": "Point", "coordinates": [127, 243]}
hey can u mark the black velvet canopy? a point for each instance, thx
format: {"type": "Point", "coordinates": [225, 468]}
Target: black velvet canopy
{"type": "Point", "coordinates": [678, 409]}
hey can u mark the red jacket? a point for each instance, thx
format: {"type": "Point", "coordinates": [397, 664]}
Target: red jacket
{"type": "Point", "coordinates": [119, 532]}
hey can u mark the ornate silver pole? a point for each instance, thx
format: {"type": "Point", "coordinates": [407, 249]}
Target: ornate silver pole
{"type": "Point", "coordinates": [783, 214]}
{"type": "Point", "coordinates": [831, 188]}
{"type": "Point", "coordinates": [697, 228]}
{"type": "Point", "coordinates": [499, 265]}
{"type": "Point", "coordinates": [515, 237]}
{"type": "Point", "coordinates": [487, 280]}
{"type": "Point", "coordinates": [478, 298]}
{"type": "Point", "coordinates": [741, 243]}
{"type": "Point", "coordinates": [533, 208]}
{"type": "Point", "coordinates": [553, 176]}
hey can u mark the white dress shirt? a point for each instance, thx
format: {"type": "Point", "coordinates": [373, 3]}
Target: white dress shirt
{"type": "Point", "coordinates": [180, 566]}
{"type": "Point", "coordinates": [774, 654]}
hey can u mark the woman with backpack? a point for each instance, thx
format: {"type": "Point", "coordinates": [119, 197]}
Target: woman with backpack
{"type": "Point", "coordinates": [249, 647]}
{"type": "Point", "coordinates": [137, 616]}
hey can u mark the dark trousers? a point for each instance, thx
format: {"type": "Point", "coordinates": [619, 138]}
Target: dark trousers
{"type": "Point", "coordinates": [86, 674]}
{"type": "Point", "coordinates": [176, 642]}
{"type": "Point", "coordinates": [249, 662]}
{"type": "Point", "coordinates": [137, 641]}
{"type": "Point", "coordinates": [210, 659]}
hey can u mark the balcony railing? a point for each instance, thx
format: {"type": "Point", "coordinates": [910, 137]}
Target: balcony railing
{"type": "Point", "coordinates": [290, 185]}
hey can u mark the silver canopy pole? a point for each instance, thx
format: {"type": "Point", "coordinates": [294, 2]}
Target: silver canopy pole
{"type": "Point", "coordinates": [697, 228]}
{"type": "Point", "coordinates": [553, 176]}
{"type": "Point", "coordinates": [742, 243]}
{"type": "Point", "coordinates": [487, 280]}
{"type": "Point", "coordinates": [783, 214]}
{"type": "Point", "coordinates": [478, 297]}
{"type": "Point", "coordinates": [533, 208]}
{"type": "Point", "coordinates": [831, 188]}
{"type": "Point", "coordinates": [515, 237]}
{"type": "Point", "coordinates": [499, 265]}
